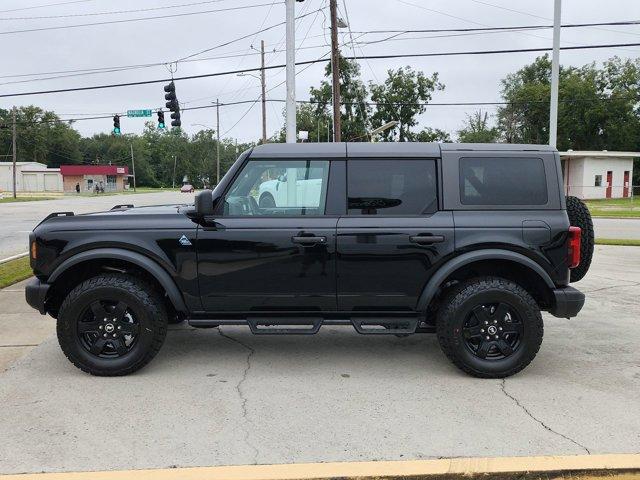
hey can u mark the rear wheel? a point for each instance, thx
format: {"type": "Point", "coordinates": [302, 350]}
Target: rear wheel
{"type": "Point", "coordinates": [489, 327]}
{"type": "Point", "coordinates": [579, 216]}
{"type": "Point", "coordinates": [111, 324]}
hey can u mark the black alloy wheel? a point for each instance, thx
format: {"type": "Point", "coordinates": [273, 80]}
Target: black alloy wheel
{"type": "Point", "coordinates": [492, 332]}
{"type": "Point", "coordinates": [108, 328]}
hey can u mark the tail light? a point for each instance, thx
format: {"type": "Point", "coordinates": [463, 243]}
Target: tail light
{"type": "Point", "coordinates": [575, 235]}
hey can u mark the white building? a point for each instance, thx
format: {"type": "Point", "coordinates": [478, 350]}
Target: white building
{"type": "Point", "coordinates": [598, 174]}
{"type": "Point", "coordinates": [30, 177]}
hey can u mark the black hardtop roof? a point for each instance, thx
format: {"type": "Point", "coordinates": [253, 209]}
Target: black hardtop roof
{"type": "Point", "coordinates": [383, 149]}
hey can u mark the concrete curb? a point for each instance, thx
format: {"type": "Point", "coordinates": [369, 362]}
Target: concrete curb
{"type": "Point", "coordinates": [13, 257]}
{"type": "Point", "coordinates": [583, 467]}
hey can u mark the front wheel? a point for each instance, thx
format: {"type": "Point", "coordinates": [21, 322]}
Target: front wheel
{"type": "Point", "coordinates": [111, 324]}
{"type": "Point", "coordinates": [489, 327]}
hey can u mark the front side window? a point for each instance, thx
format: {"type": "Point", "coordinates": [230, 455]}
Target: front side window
{"type": "Point", "coordinates": [502, 181]}
{"type": "Point", "coordinates": [391, 187]}
{"type": "Point", "coordinates": [279, 188]}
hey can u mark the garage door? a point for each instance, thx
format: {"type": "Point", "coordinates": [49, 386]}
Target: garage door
{"type": "Point", "coordinates": [30, 182]}
{"type": "Point", "coordinates": [51, 182]}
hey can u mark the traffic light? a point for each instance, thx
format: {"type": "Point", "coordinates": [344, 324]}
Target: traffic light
{"type": "Point", "coordinates": [161, 119]}
{"type": "Point", "coordinates": [116, 125]}
{"type": "Point", "coordinates": [172, 104]}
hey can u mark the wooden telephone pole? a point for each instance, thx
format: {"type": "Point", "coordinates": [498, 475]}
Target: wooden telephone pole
{"type": "Point", "coordinates": [335, 67]}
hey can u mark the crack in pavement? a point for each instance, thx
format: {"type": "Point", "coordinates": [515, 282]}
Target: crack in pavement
{"type": "Point", "coordinates": [241, 394]}
{"type": "Point", "coordinates": [503, 387]}
{"type": "Point", "coordinates": [634, 284]}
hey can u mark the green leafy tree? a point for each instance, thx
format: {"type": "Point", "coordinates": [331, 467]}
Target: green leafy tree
{"type": "Point", "coordinates": [477, 130]}
{"type": "Point", "coordinates": [402, 97]}
{"type": "Point", "coordinates": [433, 135]}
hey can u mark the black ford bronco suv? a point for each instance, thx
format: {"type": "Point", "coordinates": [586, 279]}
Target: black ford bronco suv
{"type": "Point", "coordinates": [469, 242]}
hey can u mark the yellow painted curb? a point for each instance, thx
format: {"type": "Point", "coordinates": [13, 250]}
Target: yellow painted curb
{"type": "Point", "coordinates": [628, 466]}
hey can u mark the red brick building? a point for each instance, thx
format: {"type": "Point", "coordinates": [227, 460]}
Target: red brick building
{"type": "Point", "coordinates": [110, 178]}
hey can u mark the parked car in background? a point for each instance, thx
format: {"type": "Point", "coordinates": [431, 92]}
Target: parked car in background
{"type": "Point", "coordinates": [187, 188]}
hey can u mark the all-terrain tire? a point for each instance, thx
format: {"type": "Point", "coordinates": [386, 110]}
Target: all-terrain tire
{"type": "Point", "coordinates": [460, 303]}
{"type": "Point", "coordinates": [579, 216]}
{"type": "Point", "coordinates": [143, 303]}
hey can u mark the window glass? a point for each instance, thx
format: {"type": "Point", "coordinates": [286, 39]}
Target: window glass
{"type": "Point", "coordinates": [279, 187]}
{"type": "Point", "coordinates": [502, 181]}
{"type": "Point", "coordinates": [391, 187]}
{"type": "Point", "coordinates": [598, 182]}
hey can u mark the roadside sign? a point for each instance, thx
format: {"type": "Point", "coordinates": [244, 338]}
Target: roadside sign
{"type": "Point", "coordinates": [139, 113]}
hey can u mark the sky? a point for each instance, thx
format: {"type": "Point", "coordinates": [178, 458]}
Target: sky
{"type": "Point", "coordinates": [209, 24]}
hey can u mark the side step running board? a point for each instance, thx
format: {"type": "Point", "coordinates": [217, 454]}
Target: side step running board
{"type": "Point", "coordinates": [385, 326]}
{"type": "Point", "coordinates": [289, 326]}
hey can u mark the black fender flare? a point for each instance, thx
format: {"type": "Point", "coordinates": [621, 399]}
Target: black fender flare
{"type": "Point", "coordinates": [432, 286]}
{"type": "Point", "coordinates": [150, 266]}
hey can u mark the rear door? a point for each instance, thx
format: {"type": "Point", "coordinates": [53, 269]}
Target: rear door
{"type": "Point", "coordinates": [393, 234]}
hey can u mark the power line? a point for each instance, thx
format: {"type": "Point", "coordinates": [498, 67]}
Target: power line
{"type": "Point", "coordinates": [113, 12]}
{"type": "Point", "coordinates": [46, 5]}
{"type": "Point", "coordinates": [308, 62]}
{"type": "Point", "coordinates": [128, 20]}
{"type": "Point", "coordinates": [224, 44]}
{"type": "Point", "coordinates": [57, 74]}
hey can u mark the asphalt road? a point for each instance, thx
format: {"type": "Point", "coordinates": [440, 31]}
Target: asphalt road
{"type": "Point", "coordinates": [225, 397]}
{"type": "Point", "coordinates": [19, 218]}
{"type": "Point", "coordinates": [627, 228]}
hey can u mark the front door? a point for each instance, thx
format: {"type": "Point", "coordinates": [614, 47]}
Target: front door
{"type": "Point", "coordinates": [271, 248]}
{"type": "Point", "coordinates": [392, 234]}
{"type": "Point", "coordinates": [609, 183]}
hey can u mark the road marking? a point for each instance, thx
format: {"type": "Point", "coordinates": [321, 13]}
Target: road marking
{"type": "Point", "coordinates": [589, 466]}
{"type": "Point", "coordinates": [14, 257]}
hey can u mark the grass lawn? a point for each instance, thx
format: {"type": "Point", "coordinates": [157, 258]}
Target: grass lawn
{"type": "Point", "coordinates": [618, 241]}
{"type": "Point", "coordinates": [10, 199]}
{"type": "Point", "coordinates": [615, 207]}
{"type": "Point", "coordinates": [14, 271]}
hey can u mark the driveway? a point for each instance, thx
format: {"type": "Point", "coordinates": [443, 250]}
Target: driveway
{"type": "Point", "coordinates": [19, 218]}
{"type": "Point", "coordinates": [225, 397]}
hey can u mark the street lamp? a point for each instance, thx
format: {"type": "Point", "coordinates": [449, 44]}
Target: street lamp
{"type": "Point", "coordinates": [381, 129]}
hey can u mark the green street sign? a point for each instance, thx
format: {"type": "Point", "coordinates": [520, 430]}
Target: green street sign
{"type": "Point", "coordinates": [139, 113]}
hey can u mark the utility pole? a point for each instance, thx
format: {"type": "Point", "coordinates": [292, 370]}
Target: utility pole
{"type": "Point", "coordinates": [291, 71]}
{"type": "Point", "coordinates": [263, 80]}
{"type": "Point", "coordinates": [133, 166]}
{"type": "Point", "coordinates": [14, 135]}
{"type": "Point", "coordinates": [175, 162]}
{"type": "Point", "coordinates": [218, 142]}
{"type": "Point", "coordinates": [335, 67]}
{"type": "Point", "coordinates": [555, 74]}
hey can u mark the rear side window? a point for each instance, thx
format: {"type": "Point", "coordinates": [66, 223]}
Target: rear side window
{"type": "Point", "coordinates": [502, 181]}
{"type": "Point", "coordinates": [391, 187]}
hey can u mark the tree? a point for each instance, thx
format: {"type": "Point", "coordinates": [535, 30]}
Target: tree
{"type": "Point", "coordinates": [476, 129]}
{"type": "Point", "coordinates": [354, 111]}
{"type": "Point", "coordinates": [433, 135]}
{"type": "Point", "coordinates": [598, 107]}
{"type": "Point", "coordinates": [402, 97]}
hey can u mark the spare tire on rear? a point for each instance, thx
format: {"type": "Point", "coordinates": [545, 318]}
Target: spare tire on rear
{"type": "Point", "coordinates": [579, 216]}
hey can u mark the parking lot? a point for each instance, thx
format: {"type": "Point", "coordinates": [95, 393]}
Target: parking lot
{"type": "Point", "coordinates": [225, 397]}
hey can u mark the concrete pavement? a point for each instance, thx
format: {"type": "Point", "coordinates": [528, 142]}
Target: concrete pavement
{"type": "Point", "coordinates": [19, 218]}
{"type": "Point", "coordinates": [225, 397]}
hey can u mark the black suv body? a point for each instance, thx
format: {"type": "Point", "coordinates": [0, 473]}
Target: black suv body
{"type": "Point", "coordinates": [469, 241]}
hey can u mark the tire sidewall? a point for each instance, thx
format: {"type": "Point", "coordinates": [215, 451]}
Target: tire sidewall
{"type": "Point", "coordinates": [530, 338]}
{"type": "Point", "coordinates": [68, 325]}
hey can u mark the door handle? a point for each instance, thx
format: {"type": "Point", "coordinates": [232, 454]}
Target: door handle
{"type": "Point", "coordinates": [426, 239]}
{"type": "Point", "coordinates": [311, 240]}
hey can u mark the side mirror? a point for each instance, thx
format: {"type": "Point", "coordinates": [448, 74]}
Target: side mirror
{"type": "Point", "coordinates": [282, 178]}
{"type": "Point", "coordinates": [204, 203]}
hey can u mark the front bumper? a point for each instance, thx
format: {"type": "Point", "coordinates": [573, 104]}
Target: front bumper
{"type": "Point", "coordinates": [36, 294]}
{"type": "Point", "coordinates": [567, 302]}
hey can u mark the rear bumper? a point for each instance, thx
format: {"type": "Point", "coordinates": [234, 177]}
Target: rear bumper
{"type": "Point", "coordinates": [567, 302]}
{"type": "Point", "coordinates": [36, 294]}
